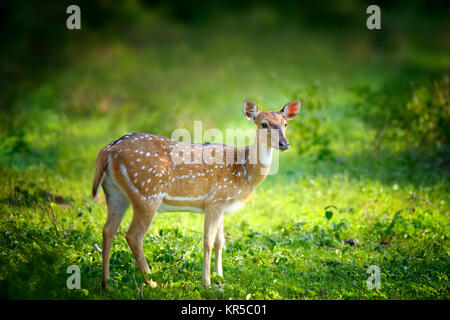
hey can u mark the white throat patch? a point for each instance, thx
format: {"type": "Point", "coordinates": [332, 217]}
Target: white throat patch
{"type": "Point", "coordinates": [265, 154]}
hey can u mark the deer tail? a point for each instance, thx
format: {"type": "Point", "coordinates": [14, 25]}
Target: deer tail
{"type": "Point", "coordinates": [100, 170]}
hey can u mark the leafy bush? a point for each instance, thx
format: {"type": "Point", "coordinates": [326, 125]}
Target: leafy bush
{"type": "Point", "coordinates": [310, 131]}
{"type": "Point", "coordinates": [427, 117]}
{"type": "Point", "coordinates": [418, 113]}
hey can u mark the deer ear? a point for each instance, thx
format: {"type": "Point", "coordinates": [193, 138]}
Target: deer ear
{"type": "Point", "coordinates": [290, 110]}
{"type": "Point", "coordinates": [250, 109]}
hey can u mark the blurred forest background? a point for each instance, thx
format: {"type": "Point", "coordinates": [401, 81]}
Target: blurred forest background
{"type": "Point", "coordinates": [364, 183]}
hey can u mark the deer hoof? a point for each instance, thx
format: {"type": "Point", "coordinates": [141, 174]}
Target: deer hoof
{"type": "Point", "coordinates": [152, 284]}
{"type": "Point", "coordinates": [105, 285]}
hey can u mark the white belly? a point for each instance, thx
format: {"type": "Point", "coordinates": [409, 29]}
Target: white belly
{"type": "Point", "coordinates": [234, 206]}
{"type": "Point", "coordinates": [171, 208]}
{"type": "Point", "coordinates": [229, 208]}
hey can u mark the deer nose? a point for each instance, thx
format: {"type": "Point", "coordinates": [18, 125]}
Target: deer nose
{"type": "Point", "coordinates": [284, 145]}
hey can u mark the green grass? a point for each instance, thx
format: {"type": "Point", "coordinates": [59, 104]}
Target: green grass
{"type": "Point", "coordinates": [281, 244]}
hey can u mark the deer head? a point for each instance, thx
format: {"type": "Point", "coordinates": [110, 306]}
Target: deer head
{"type": "Point", "coordinates": [273, 123]}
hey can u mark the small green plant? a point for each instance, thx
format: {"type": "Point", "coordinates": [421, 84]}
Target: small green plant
{"type": "Point", "coordinates": [330, 233]}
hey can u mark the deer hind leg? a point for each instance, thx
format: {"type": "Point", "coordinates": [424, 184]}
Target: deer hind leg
{"type": "Point", "coordinates": [211, 226]}
{"type": "Point", "coordinates": [142, 219]}
{"type": "Point", "coordinates": [218, 246]}
{"type": "Point", "coordinates": [117, 203]}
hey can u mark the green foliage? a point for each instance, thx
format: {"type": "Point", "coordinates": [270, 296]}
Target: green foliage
{"type": "Point", "coordinates": [418, 114]}
{"type": "Point", "coordinates": [429, 116]}
{"type": "Point", "coordinates": [312, 133]}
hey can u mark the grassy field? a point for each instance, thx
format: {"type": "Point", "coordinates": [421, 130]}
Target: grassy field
{"type": "Point", "coordinates": [293, 240]}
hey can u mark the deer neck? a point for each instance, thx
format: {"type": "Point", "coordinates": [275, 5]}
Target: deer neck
{"type": "Point", "coordinates": [258, 161]}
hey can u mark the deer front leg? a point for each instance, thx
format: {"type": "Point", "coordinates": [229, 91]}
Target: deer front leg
{"type": "Point", "coordinates": [212, 222]}
{"type": "Point", "coordinates": [218, 246]}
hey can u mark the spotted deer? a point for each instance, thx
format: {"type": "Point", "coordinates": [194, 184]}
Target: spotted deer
{"type": "Point", "coordinates": [148, 171]}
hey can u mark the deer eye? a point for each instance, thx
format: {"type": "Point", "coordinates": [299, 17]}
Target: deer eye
{"type": "Point", "coordinates": [264, 125]}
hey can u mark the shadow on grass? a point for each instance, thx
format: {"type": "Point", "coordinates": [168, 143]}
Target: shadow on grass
{"type": "Point", "coordinates": [27, 195]}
